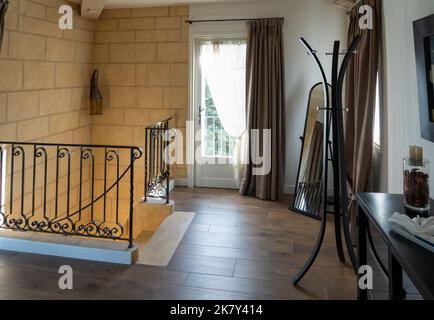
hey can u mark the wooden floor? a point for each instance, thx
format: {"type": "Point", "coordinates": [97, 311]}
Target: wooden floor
{"type": "Point", "coordinates": [236, 248]}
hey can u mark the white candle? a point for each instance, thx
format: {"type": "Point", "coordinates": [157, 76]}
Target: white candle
{"type": "Point", "coordinates": [415, 153]}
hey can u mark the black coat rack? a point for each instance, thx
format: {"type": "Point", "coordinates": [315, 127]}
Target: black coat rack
{"type": "Point", "coordinates": [333, 123]}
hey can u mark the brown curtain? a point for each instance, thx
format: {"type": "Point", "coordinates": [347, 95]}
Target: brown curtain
{"type": "Point", "coordinates": [361, 85]}
{"type": "Point", "coordinates": [265, 103]}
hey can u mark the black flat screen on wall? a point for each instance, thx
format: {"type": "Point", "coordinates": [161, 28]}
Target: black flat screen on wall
{"type": "Point", "coordinates": [429, 58]}
{"type": "Point", "coordinates": [424, 46]}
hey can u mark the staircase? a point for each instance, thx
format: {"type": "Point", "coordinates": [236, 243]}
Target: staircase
{"type": "Point", "coordinates": [82, 201]}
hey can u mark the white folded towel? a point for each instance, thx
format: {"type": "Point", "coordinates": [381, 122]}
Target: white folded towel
{"type": "Point", "coordinates": [423, 227]}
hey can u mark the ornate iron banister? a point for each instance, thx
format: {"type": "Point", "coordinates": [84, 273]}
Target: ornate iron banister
{"type": "Point", "coordinates": [157, 169]}
{"type": "Point", "coordinates": [160, 124]}
{"type": "Point", "coordinates": [71, 145]}
{"type": "Point", "coordinates": [91, 203]}
{"type": "Point", "coordinates": [44, 206]}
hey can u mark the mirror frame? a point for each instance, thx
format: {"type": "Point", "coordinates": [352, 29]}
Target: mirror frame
{"type": "Point", "coordinates": [292, 206]}
{"type": "Point", "coordinates": [423, 28]}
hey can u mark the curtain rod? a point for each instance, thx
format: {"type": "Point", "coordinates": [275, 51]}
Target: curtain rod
{"type": "Point", "coordinates": [227, 20]}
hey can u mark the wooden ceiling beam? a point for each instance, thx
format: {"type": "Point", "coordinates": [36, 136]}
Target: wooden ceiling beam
{"type": "Point", "coordinates": [343, 4]}
{"type": "Point", "coordinates": [92, 9]}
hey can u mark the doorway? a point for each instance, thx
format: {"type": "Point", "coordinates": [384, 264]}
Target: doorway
{"type": "Point", "coordinates": [219, 110]}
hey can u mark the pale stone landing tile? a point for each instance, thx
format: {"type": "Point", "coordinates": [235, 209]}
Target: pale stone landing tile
{"type": "Point", "coordinates": [103, 244]}
{"type": "Point", "coordinates": [160, 248]}
{"type": "Point", "coordinates": [8, 233]}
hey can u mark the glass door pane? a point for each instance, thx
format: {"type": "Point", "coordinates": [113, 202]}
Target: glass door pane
{"type": "Point", "coordinates": [217, 142]}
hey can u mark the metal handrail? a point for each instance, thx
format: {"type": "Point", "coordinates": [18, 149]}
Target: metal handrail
{"type": "Point", "coordinates": [71, 145]}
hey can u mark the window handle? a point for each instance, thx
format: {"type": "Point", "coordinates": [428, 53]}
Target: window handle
{"type": "Point", "coordinates": [200, 113]}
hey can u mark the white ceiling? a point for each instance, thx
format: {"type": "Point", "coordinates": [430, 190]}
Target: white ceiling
{"type": "Point", "coordinates": [111, 4]}
{"type": "Point", "coordinates": [345, 4]}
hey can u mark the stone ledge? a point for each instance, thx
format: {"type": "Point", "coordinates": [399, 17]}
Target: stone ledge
{"type": "Point", "coordinates": [68, 247]}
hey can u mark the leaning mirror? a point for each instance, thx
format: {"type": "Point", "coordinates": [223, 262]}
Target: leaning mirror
{"type": "Point", "coordinates": [308, 190]}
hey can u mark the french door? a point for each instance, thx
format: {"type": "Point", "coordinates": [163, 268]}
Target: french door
{"type": "Point", "coordinates": [219, 89]}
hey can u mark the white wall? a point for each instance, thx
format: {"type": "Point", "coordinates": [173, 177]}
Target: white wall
{"type": "Point", "coordinates": [400, 87]}
{"type": "Point", "coordinates": [317, 22]}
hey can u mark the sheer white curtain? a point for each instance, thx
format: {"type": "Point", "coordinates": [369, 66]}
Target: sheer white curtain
{"type": "Point", "coordinates": [224, 67]}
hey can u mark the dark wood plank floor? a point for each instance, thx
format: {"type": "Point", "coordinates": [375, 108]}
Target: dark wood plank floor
{"type": "Point", "coordinates": [236, 248]}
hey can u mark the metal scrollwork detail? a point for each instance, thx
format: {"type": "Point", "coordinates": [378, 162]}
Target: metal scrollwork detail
{"type": "Point", "coordinates": [63, 152]}
{"type": "Point", "coordinates": [65, 226]}
{"type": "Point", "coordinates": [137, 153]}
{"type": "Point", "coordinates": [36, 224]}
{"type": "Point", "coordinates": [110, 231]}
{"type": "Point", "coordinates": [87, 154]}
{"type": "Point", "coordinates": [40, 151]}
{"type": "Point", "coordinates": [18, 151]}
{"type": "Point", "coordinates": [14, 223]}
{"type": "Point", "coordinates": [157, 190]}
{"type": "Point", "coordinates": [112, 154]}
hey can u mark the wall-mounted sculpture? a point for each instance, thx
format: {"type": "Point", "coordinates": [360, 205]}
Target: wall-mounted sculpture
{"type": "Point", "coordinates": [95, 96]}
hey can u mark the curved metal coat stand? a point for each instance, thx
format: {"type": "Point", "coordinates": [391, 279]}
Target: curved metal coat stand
{"type": "Point", "coordinates": [320, 238]}
{"type": "Point", "coordinates": [338, 125]}
{"type": "Point", "coordinates": [337, 201]}
{"type": "Point", "coordinates": [340, 197]}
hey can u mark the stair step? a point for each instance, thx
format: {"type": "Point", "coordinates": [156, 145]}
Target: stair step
{"type": "Point", "coordinates": [102, 250]}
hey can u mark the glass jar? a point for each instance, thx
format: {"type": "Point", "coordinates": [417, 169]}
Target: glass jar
{"type": "Point", "coordinates": [416, 185]}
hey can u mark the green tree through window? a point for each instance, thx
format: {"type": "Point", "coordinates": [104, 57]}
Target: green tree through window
{"type": "Point", "coordinates": [217, 142]}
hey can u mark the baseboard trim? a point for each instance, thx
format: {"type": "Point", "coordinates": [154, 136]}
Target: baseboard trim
{"type": "Point", "coordinates": [181, 182]}
{"type": "Point", "coordinates": [288, 189]}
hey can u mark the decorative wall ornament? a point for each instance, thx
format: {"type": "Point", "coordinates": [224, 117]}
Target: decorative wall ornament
{"type": "Point", "coordinates": [95, 96]}
{"type": "Point", "coordinates": [3, 8]}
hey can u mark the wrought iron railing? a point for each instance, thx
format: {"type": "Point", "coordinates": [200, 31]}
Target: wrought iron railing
{"type": "Point", "coordinates": [68, 189]}
{"type": "Point", "coordinates": [157, 170]}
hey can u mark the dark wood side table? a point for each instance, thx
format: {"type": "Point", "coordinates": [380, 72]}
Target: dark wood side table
{"type": "Point", "coordinates": [417, 262]}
